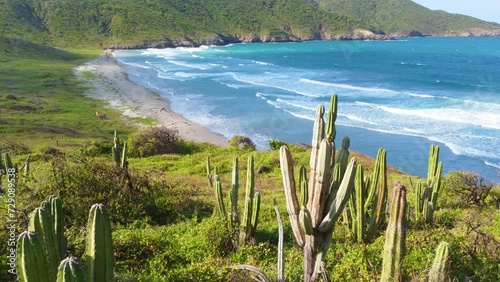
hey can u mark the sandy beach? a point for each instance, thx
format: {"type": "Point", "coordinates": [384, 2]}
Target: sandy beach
{"type": "Point", "coordinates": [110, 83]}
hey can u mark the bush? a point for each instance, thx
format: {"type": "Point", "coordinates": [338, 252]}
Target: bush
{"type": "Point", "coordinates": [275, 144]}
{"type": "Point", "coordinates": [469, 186]}
{"type": "Point", "coordinates": [155, 141]}
{"type": "Point", "coordinates": [244, 142]}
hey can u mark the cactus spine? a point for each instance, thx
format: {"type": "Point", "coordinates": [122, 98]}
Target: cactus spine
{"type": "Point", "coordinates": [427, 193]}
{"type": "Point", "coordinates": [70, 270]}
{"type": "Point", "coordinates": [322, 197]}
{"type": "Point", "coordinates": [99, 249]}
{"type": "Point", "coordinates": [31, 260]}
{"type": "Point", "coordinates": [440, 266]}
{"type": "Point", "coordinates": [395, 237]}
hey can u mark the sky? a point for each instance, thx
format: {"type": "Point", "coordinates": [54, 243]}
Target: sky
{"type": "Point", "coordinates": [488, 10]}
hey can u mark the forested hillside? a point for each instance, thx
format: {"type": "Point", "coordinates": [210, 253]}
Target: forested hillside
{"type": "Point", "coordinates": [401, 17]}
{"type": "Point", "coordinates": [143, 23]}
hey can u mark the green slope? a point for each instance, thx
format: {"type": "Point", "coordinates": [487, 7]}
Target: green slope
{"type": "Point", "coordinates": [138, 22]}
{"type": "Point", "coordinates": [400, 17]}
{"type": "Point", "coordinates": [161, 23]}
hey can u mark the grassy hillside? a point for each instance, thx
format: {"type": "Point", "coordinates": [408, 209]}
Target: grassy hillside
{"type": "Point", "coordinates": [136, 23]}
{"type": "Point", "coordinates": [41, 102]}
{"type": "Point", "coordinates": [400, 17]}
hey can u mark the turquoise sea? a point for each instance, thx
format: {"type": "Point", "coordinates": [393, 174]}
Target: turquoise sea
{"type": "Point", "coordinates": [402, 95]}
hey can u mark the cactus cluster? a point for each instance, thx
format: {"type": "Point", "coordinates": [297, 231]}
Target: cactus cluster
{"type": "Point", "coordinates": [367, 204]}
{"type": "Point", "coordinates": [395, 237]}
{"type": "Point", "coordinates": [320, 200]}
{"type": "Point", "coordinates": [119, 154]}
{"type": "Point", "coordinates": [427, 193]}
{"type": "Point", "coordinates": [42, 247]}
{"type": "Point", "coordinates": [250, 219]}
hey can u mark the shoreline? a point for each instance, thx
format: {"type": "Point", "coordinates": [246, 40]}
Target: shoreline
{"type": "Point", "coordinates": [110, 83]}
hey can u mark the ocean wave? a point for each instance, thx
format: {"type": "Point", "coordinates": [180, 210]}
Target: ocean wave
{"type": "Point", "coordinates": [347, 86]}
{"type": "Point", "coordinates": [482, 119]}
{"type": "Point", "coordinates": [272, 82]}
{"type": "Point", "coordinates": [137, 65]}
{"type": "Point", "coordinates": [496, 165]}
{"type": "Point", "coordinates": [190, 65]}
{"type": "Point", "coordinates": [302, 116]}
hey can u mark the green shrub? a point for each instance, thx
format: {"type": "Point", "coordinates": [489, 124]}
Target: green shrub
{"type": "Point", "coordinates": [466, 188]}
{"type": "Point", "coordinates": [244, 142]}
{"type": "Point", "coordinates": [155, 141]}
{"type": "Point", "coordinates": [275, 144]}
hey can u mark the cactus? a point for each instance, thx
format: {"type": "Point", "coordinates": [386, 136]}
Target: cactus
{"type": "Point", "coordinates": [99, 249]}
{"type": "Point", "coordinates": [231, 216]}
{"type": "Point", "coordinates": [31, 260]}
{"type": "Point", "coordinates": [440, 266]}
{"type": "Point", "coordinates": [209, 176]}
{"type": "Point", "coordinates": [251, 210]}
{"type": "Point", "coordinates": [367, 204]}
{"type": "Point", "coordinates": [41, 222]}
{"type": "Point", "coordinates": [395, 237]}
{"type": "Point", "coordinates": [427, 193]}
{"type": "Point", "coordinates": [57, 214]}
{"type": "Point", "coordinates": [322, 198]}
{"type": "Point", "coordinates": [281, 253]}
{"type": "Point", "coordinates": [258, 274]}
{"type": "Point", "coordinates": [119, 154]}
{"type": "Point", "coordinates": [70, 270]}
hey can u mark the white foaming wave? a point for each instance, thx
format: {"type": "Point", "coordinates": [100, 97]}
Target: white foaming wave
{"type": "Point", "coordinates": [274, 103]}
{"type": "Point", "coordinates": [419, 95]}
{"type": "Point", "coordinates": [258, 80]}
{"type": "Point", "coordinates": [189, 65]}
{"type": "Point", "coordinates": [358, 119]}
{"type": "Point", "coordinates": [137, 65]}
{"type": "Point", "coordinates": [262, 63]}
{"type": "Point", "coordinates": [302, 116]}
{"type": "Point", "coordinates": [483, 119]}
{"type": "Point", "coordinates": [347, 86]}
{"type": "Point", "coordinates": [301, 106]}
{"type": "Point", "coordinates": [261, 95]}
{"type": "Point", "coordinates": [413, 130]}
{"type": "Point", "coordinates": [495, 165]}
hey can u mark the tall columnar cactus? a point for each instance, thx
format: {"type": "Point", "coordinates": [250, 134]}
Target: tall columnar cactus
{"type": "Point", "coordinates": [251, 210]}
{"type": "Point", "coordinates": [119, 154]}
{"type": "Point", "coordinates": [395, 237]}
{"type": "Point", "coordinates": [439, 271]}
{"type": "Point", "coordinates": [427, 193]}
{"type": "Point", "coordinates": [231, 215]}
{"type": "Point", "coordinates": [57, 213]}
{"type": "Point", "coordinates": [31, 259]}
{"type": "Point", "coordinates": [70, 270]}
{"type": "Point", "coordinates": [314, 210]}
{"type": "Point", "coordinates": [367, 205]}
{"type": "Point", "coordinates": [209, 170]}
{"type": "Point", "coordinates": [42, 223]}
{"type": "Point", "coordinates": [99, 249]}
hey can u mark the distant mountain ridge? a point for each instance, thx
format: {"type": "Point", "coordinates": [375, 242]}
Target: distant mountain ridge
{"type": "Point", "coordinates": [168, 23]}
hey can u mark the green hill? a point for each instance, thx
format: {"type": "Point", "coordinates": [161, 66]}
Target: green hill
{"type": "Point", "coordinates": [163, 23]}
{"type": "Point", "coordinates": [404, 17]}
